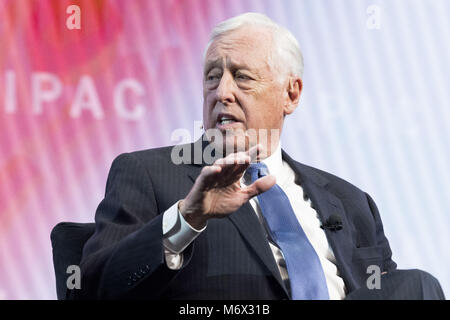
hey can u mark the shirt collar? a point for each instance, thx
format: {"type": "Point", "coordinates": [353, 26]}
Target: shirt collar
{"type": "Point", "coordinates": [274, 162]}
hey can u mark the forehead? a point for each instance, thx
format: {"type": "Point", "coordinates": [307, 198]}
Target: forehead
{"type": "Point", "coordinates": [245, 47]}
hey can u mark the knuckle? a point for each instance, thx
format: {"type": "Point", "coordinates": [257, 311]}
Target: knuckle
{"type": "Point", "coordinates": [204, 170]}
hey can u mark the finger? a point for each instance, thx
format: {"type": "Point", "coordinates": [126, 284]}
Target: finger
{"type": "Point", "coordinates": [233, 168]}
{"type": "Point", "coordinates": [238, 163]}
{"type": "Point", "coordinates": [259, 186]}
{"type": "Point", "coordinates": [207, 176]}
{"type": "Point", "coordinates": [254, 152]}
{"type": "Point", "coordinates": [232, 159]}
{"type": "Point", "coordinates": [240, 169]}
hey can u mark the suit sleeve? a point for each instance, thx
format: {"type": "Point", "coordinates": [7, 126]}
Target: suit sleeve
{"type": "Point", "coordinates": [126, 249]}
{"type": "Point", "coordinates": [382, 241]}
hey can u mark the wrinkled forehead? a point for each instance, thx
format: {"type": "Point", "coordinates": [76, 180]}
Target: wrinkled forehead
{"type": "Point", "coordinates": [250, 48]}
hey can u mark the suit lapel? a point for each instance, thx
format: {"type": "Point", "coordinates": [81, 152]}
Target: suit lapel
{"type": "Point", "coordinates": [323, 201]}
{"type": "Point", "coordinates": [248, 225]}
{"type": "Point", "coordinates": [327, 204]}
{"type": "Point", "coordinates": [246, 221]}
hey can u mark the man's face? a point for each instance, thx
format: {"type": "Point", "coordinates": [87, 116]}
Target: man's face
{"type": "Point", "coordinates": [241, 90]}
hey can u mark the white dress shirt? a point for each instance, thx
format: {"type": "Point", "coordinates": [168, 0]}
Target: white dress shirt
{"type": "Point", "coordinates": [178, 234]}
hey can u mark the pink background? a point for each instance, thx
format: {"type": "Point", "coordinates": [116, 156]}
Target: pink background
{"type": "Point", "coordinates": [374, 111]}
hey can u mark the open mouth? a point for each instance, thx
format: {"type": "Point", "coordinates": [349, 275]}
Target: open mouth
{"type": "Point", "coordinates": [226, 120]}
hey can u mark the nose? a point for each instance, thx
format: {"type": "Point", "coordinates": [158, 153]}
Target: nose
{"type": "Point", "coordinates": [225, 89]}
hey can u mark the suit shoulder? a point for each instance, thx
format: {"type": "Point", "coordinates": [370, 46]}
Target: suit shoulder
{"type": "Point", "coordinates": [142, 156]}
{"type": "Point", "coordinates": [337, 184]}
{"type": "Point", "coordinates": [153, 154]}
{"type": "Point", "coordinates": [155, 158]}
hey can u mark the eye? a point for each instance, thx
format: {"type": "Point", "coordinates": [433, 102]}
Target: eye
{"type": "Point", "coordinates": [213, 74]}
{"type": "Point", "coordinates": [241, 76]}
{"type": "Point", "coordinates": [212, 77]}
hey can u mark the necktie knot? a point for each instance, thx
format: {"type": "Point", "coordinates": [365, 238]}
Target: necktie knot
{"type": "Point", "coordinates": [257, 170]}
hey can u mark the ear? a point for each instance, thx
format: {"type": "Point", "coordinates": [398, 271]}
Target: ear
{"type": "Point", "coordinates": [293, 90]}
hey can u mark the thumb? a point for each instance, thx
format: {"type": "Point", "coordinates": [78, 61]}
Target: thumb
{"type": "Point", "coordinates": [259, 186]}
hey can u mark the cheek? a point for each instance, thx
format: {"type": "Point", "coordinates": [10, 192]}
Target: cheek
{"type": "Point", "coordinates": [208, 107]}
{"type": "Point", "coordinates": [207, 100]}
{"type": "Point", "coordinates": [270, 110]}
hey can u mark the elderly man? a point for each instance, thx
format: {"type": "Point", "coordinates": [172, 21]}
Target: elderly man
{"type": "Point", "coordinates": [253, 223]}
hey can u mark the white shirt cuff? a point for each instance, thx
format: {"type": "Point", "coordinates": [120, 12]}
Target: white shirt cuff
{"type": "Point", "coordinates": [177, 233]}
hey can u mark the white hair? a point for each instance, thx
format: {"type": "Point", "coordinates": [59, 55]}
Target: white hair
{"type": "Point", "coordinates": [286, 54]}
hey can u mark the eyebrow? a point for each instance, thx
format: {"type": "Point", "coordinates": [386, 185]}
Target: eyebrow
{"type": "Point", "coordinates": [212, 64]}
{"type": "Point", "coordinates": [217, 63]}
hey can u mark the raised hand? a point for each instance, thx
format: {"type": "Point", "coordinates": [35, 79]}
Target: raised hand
{"type": "Point", "coordinates": [217, 191]}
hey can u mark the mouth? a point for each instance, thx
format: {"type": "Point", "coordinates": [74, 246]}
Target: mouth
{"type": "Point", "coordinates": [226, 121]}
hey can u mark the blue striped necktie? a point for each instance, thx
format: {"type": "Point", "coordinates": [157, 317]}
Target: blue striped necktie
{"type": "Point", "coordinates": [306, 275]}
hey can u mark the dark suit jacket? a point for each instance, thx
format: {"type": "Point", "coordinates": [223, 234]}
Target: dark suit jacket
{"type": "Point", "coordinates": [231, 259]}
